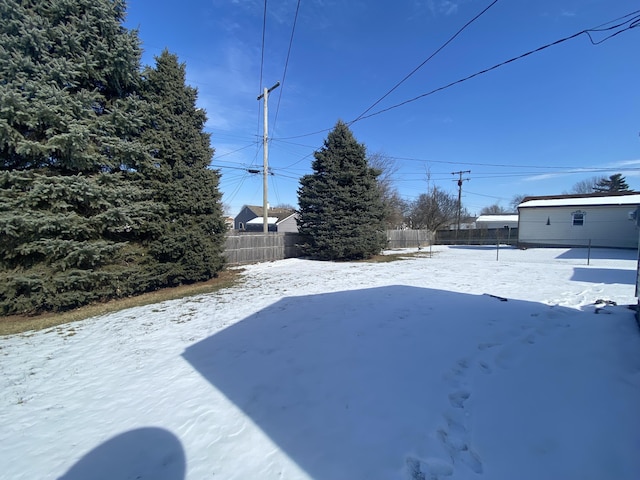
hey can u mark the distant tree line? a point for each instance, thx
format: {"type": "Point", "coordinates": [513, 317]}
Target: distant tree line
{"type": "Point", "coordinates": [105, 189]}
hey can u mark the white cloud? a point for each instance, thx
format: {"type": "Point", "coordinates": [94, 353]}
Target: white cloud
{"type": "Point", "coordinates": [629, 168]}
{"type": "Point", "coordinates": [547, 176]}
{"type": "Point", "coordinates": [441, 7]}
{"type": "Point", "coordinates": [448, 8]}
{"type": "Point", "coordinates": [628, 163]}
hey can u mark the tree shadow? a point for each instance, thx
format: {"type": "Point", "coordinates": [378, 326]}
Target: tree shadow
{"type": "Point", "coordinates": [149, 452]}
{"type": "Point", "coordinates": [345, 382]}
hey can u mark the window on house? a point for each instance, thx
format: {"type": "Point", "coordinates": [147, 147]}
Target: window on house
{"type": "Point", "coordinates": [577, 218]}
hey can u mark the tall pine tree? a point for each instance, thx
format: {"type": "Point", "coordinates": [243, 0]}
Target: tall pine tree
{"type": "Point", "coordinates": [341, 210]}
{"type": "Point", "coordinates": [190, 246]}
{"type": "Point", "coordinates": [615, 183]}
{"type": "Point", "coordinates": [69, 74]}
{"type": "Point", "coordinates": [82, 214]}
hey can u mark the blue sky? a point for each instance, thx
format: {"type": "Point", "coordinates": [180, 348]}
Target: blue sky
{"type": "Point", "coordinates": [534, 126]}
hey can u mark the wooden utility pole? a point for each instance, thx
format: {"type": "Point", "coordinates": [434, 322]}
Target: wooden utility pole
{"type": "Point", "coordinates": [265, 158]}
{"type": "Point", "coordinates": [460, 180]}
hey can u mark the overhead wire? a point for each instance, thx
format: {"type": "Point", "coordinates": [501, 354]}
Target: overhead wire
{"type": "Point", "coordinates": [438, 50]}
{"type": "Point", "coordinates": [235, 151]}
{"type": "Point", "coordinates": [634, 22]}
{"type": "Point", "coordinates": [286, 66]}
{"type": "Point", "coordinates": [449, 162]}
{"type": "Point", "coordinates": [262, 49]}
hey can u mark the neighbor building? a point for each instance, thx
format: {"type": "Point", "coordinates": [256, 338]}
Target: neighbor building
{"type": "Point", "coordinates": [497, 221]}
{"type": "Point", "coordinates": [250, 219]}
{"type": "Point", "coordinates": [598, 220]}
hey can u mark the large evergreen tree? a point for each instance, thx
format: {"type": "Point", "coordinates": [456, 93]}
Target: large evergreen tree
{"type": "Point", "coordinates": [70, 240]}
{"type": "Point", "coordinates": [69, 74]}
{"type": "Point", "coordinates": [95, 200]}
{"type": "Point", "coordinates": [190, 246]}
{"type": "Point", "coordinates": [341, 211]}
{"type": "Point", "coordinates": [74, 211]}
{"type": "Point", "coordinates": [615, 183]}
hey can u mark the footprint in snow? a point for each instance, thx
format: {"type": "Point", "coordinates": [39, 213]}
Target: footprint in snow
{"type": "Point", "coordinates": [457, 399]}
{"type": "Point", "coordinates": [460, 451]}
{"type": "Point", "coordinates": [487, 345]}
{"type": "Point", "coordinates": [428, 469]}
{"type": "Point", "coordinates": [485, 367]}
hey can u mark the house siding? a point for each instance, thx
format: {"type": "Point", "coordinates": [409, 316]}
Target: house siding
{"type": "Point", "coordinates": [246, 214]}
{"type": "Point", "coordinates": [288, 225]}
{"type": "Point", "coordinates": [604, 226]}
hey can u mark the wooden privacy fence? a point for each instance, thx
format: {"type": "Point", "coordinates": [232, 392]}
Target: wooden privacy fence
{"type": "Point", "coordinates": [260, 247]}
{"type": "Point", "coordinates": [477, 236]}
{"type": "Point", "coordinates": [409, 238]}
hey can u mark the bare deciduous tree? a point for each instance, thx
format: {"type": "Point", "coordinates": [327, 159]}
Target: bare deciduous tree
{"type": "Point", "coordinates": [434, 210]}
{"type": "Point", "coordinates": [494, 209]}
{"type": "Point", "coordinates": [395, 207]}
{"type": "Point", "coordinates": [517, 200]}
{"type": "Point", "coordinates": [587, 185]}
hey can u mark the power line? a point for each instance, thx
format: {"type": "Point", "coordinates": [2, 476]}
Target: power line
{"type": "Point", "coordinates": [449, 162]}
{"type": "Point", "coordinates": [634, 22]}
{"type": "Point", "coordinates": [264, 31]}
{"type": "Point", "coordinates": [482, 195]}
{"type": "Point", "coordinates": [286, 65]}
{"type": "Point", "coordinates": [235, 151]}
{"type": "Point", "coordinates": [425, 61]}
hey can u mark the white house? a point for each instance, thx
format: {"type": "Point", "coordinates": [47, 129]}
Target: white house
{"type": "Point", "coordinates": [579, 220]}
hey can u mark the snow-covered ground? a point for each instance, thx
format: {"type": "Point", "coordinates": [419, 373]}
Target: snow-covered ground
{"type": "Point", "coordinates": [413, 369]}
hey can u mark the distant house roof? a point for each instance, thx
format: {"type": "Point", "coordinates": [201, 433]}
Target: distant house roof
{"type": "Point", "coordinates": [278, 213]}
{"type": "Point", "coordinates": [497, 218]}
{"type": "Point", "coordinates": [581, 200]}
{"type": "Point", "coordinates": [260, 221]}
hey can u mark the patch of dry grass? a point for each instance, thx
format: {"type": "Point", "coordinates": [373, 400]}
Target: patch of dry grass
{"type": "Point", "coordinates": [22, 323]}
{"type": "Point", "coordinates": [393, 257]}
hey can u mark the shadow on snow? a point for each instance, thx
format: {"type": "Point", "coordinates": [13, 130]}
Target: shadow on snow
{"type": "Point", "coordinates": [604, 275]}
{"type": "Point", "coordinates": [149, 452]}
{"type": "Point", "coordinates": [346, 382]}
{"type": "Point", "coordinates": [579, 253]}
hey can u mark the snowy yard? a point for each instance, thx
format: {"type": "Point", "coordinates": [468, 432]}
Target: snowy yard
{"type": "Point", "coordinates": [408, 370]}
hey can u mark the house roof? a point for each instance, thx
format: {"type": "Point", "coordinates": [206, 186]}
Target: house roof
{"type": "Point", "coordinates": [278, 213]}
{"type": "Point", "coordinates": [581, 201]}
{"type": "Point", "coordinates": [497, 218]}
{"type": "Point", "coordinates": [260, 220]}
